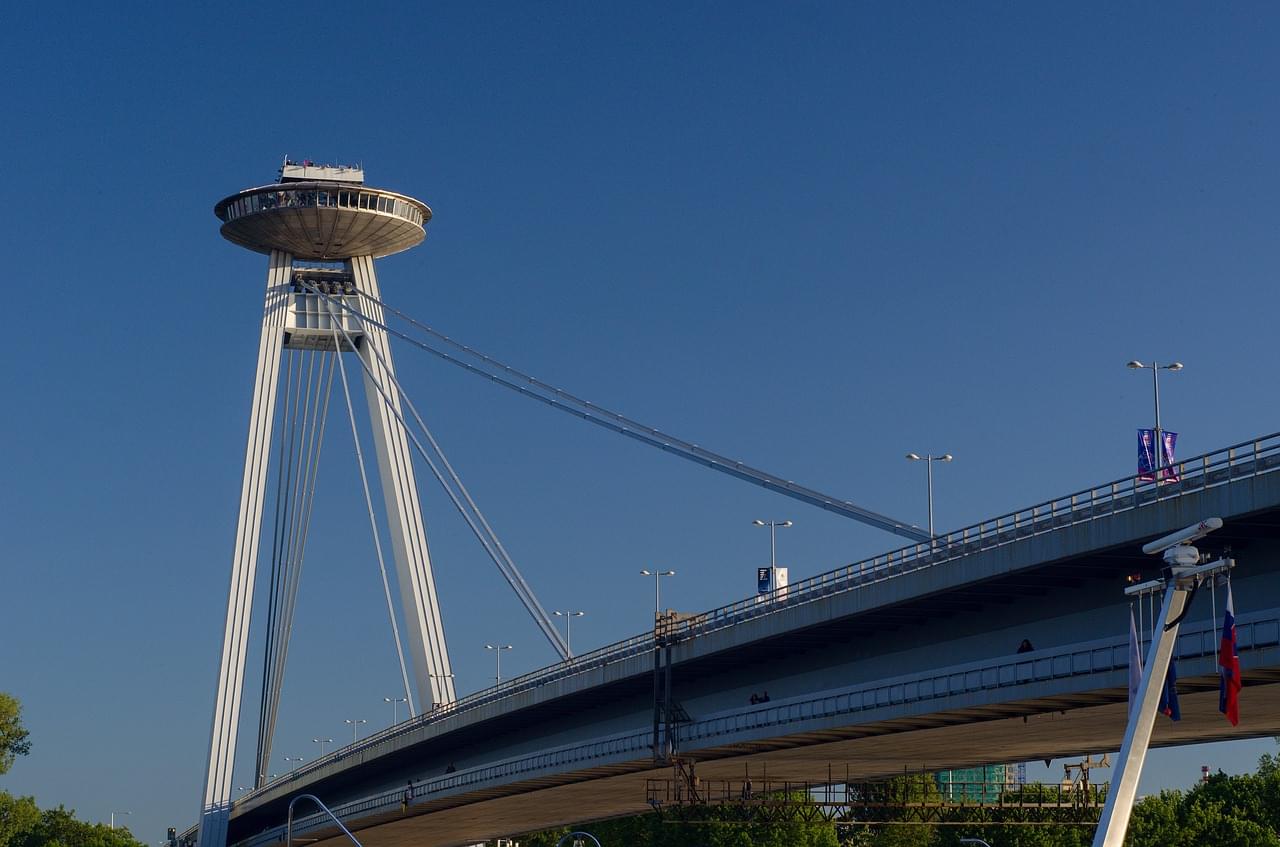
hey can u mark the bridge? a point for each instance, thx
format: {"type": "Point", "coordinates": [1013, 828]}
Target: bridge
{"type": "Point", "coordinates": [904, 661]}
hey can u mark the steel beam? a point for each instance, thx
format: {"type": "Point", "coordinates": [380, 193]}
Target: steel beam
{"type": "Point", "coordinates": [244, 563]}
{"type": "Point", "coordinates": [421, 609]}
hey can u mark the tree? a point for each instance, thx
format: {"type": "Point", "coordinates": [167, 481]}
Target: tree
{"type": "Point", "coordinates": [1155, 820]}
{"type": "Point", "coordinates": [18, 816]}
{"type": "Point", "coordinates": [13, 735]}
{"type": "Point", "coordinates": [700, 826]}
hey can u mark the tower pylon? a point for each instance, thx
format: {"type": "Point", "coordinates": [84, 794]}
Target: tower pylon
{"type": "Point", "coordinates": [322, 226]}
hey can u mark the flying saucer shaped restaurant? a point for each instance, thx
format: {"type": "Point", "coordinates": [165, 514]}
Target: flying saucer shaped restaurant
{"type": "Point", "coordinates": [322, 219]}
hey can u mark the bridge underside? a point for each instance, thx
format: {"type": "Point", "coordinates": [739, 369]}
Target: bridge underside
{"type": "Point", "coordinates": [1013, 732]}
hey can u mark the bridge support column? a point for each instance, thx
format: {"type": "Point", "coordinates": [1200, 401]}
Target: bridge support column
{"type": "Point", "coordinates": [421, 609]}
{"type": "Point", "coordinates": [244, 563]}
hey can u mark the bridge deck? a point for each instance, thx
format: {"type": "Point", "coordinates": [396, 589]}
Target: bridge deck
{"type": "Point", "coordinates": [855, 677]}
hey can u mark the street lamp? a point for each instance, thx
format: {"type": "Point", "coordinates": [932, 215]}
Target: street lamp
{"type": "Point", "coordinates": [657, 577]}
{"type": "Point", "coordinates": [1156, 367]}
{"type": "Point", "coordinates": [929, 460]}
{"type": "Point", "coordinates": [113, 817]}
{"type": "Point", "coordinates": [297, 759]}
{"type": "Point", "coordinates": [497, 659]}
{"type": "Point", "coordinates": [395, 707]}
{"type": "Point", "coordinates": [355, 726]}
{"type": "Point", "coordinates": [568, 628]}
{"type": "Point", "coordinates": [322, 742]}
{"type": "Point", "coordinates": [773, 539]}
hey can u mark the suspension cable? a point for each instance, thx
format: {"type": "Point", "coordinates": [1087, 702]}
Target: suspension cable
{"type": "Point", "coordinates": [315, 440]}
{"type": "Point", "coordinates": [277, 539]}
{"type": "Point", "coordinates": [514, 577]}
{"type": "Point", "coordinates": [506, 568]}
{"type": "Point", "coordinates": [512, 573]}
{"type": "Point", "coordinates": [306, 429]}
{"type": "Point", "coordinates": [373, 523]}
{"type": "Point", "coordinates": [600, 416]}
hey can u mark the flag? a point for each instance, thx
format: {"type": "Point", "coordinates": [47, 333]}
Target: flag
{"type": "Point", "coordinates": [1135, 662]}
{"type": "Point", "coordinates": [1169, 473]}
{"type": "Point", "coordinates": [1169, 696]}
{"type": "Point", "coordinates": [1229, 665]}
{"type": "Point", "coordinates": [1146, 455]}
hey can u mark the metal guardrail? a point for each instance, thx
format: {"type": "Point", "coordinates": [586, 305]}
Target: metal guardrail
{"type": "Point", "coordinates": [1248, 458]}
{"type": "Point", "coordinates": [1254, 631]}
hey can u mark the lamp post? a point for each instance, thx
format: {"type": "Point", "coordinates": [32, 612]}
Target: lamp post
{"type": "Point", "coordinates": [929, 460]}
{"type": "Point", "coordinates": [1155, 368]}
{"type": "Point", "coordinates": [657, 576]}
{"type": "Point", "coordinates": [568, 628]}
{"type": "Point", "coordinates": [297, 759]}
{"type": "Point", "coordinates": [322, 742]}
{"type": "Point", "coordinates": [395, 707]}
{"type": "Point", "coordinates": [113, 817]}
{"type": "Point", "coordinates": [497, 659]}
{"type": "Point", "coordinates": [355, 727]}
{"type": "Point", "coordinates": [773, 546]}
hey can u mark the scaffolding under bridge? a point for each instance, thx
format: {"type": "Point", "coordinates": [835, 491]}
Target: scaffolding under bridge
{"type": "Point", "coordinates": [917, 799]}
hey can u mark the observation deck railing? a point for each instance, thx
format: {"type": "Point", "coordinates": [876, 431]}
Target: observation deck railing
{"type": "Point", "coordinates": [1246, 459]}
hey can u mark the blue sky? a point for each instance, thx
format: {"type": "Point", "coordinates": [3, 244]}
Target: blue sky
{"type": "Point", "coordinates": [812, 236]}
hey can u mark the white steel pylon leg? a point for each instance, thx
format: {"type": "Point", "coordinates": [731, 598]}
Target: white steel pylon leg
{"type": "Point", "coordinates": [226, 713]}
{"type": "Point", "coordinates": [432, 674]}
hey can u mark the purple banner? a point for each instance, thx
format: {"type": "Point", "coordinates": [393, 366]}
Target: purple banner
{"type": "Point", "coordinates": [1169, 473]}
{"type": "Point", "coordinates": [1146, 455]}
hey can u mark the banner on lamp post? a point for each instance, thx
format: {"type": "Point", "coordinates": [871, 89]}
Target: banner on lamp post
{"type": "Point", "coordinates": [1169, 473]}
{"type": "Point", "coordinates": [1146, 455]}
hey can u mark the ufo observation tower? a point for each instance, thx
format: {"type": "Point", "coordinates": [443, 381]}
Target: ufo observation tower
{"type": "Point", "coordinates": [321, 228]}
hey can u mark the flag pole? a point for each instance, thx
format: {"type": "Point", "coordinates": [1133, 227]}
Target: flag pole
{"type": "Point", "coordinates": [1142, 720]}
{"type": "Point", "coordinates": [1184, 574]}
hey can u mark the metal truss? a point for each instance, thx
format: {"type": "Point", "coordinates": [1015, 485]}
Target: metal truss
{"type": "Point", "coordinates": [897, 802]}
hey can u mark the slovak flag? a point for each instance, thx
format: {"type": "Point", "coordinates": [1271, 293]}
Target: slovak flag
{"type": "Point", "coordinates": [1229, 666]}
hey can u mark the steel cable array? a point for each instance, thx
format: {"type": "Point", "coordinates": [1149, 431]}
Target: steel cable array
{"type": "Point", "coordinates": [453, 485]}
{"type": "Point", "coordinates": [373, 523]}
{"type": "Point", "coordinates": [302, 435]}
{"type": "Point", "coordinates": [511, 378]}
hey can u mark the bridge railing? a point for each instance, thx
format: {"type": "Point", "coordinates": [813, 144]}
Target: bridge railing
{"type": "Point", "coordinates": [1248, 458]}
{"type": "Point", "coordinates": [1256, 632]}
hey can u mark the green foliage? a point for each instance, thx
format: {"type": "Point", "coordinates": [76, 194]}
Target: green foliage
{"type": "Point", "coordinates": [13, 735]}
{"type": "Point", "coordinates": [698, 826]}
{"type": "Point", "coordinates": [18, 816]}
{"type": "Point", "coordinates": [1225, 811]}
{"type": "Point", "coordinates": [1231, 811]}
{"type": "Point", "coordinates": [22, 824]}
{"type": "Point", "coordinates": [1155, 819]}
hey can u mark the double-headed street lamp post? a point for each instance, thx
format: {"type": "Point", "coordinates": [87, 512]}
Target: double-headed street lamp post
{"type": "Point", "coordinates": [657, 601]}
{"type": "Point", "coordinates": [355, 727]}
{"type": "Point", "coordinates": [1156, 367]}
{"type": "Point", "coordinates": [297, 759]}
{"type": "Point", "coordinates": [929, 460]}
{"type": "Point", "coordinates": [568, 628]}
{"type": "Point", "coordinates": [395, 707]}
{"type": "Point", "coordinates": [322, 742]}
{"type": "Point", "coordinates": [773, 546]}
{"type": "Point", "coordinates": [497, 659]}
